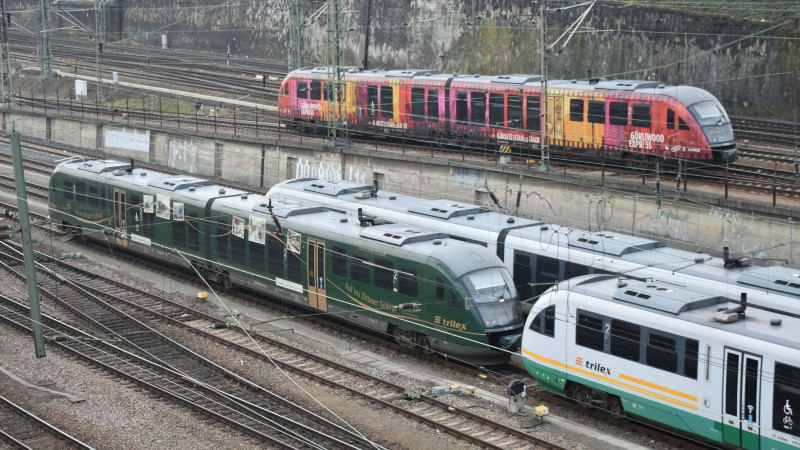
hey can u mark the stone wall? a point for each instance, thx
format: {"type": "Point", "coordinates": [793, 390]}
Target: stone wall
{"type": "Point", "coordinates": [753, 67]}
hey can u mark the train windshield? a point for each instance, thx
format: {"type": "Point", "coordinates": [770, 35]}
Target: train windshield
{"type": "Point", "coordinates": [709, 113]}
{"type": "Point", "coordinates": [494, 296]}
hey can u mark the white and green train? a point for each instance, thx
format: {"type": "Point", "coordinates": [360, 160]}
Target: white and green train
{"type": "Point", "coordinates": [429, 291]}
{"type": "Point", "coordinates": [721, 367]}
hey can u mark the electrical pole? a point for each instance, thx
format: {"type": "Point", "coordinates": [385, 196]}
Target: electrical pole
{"type": "Point", "coordinates": [335, 96]}
{"type": "Point", "coordinates": [297, 53]}
{"type": "Point", "coordinates": [98, 48]}
{"type": "Point", "coordinates": [27, 246]}
{"type": "Point", "coordinates": [6, 89]}
{"type": "Point", "coordinates": [45, 55]}
{"type": "Point", "coordinates": [544, 144]}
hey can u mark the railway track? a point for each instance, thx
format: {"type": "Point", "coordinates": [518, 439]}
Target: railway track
{"type": "Point", "coordinates": [23, 429]}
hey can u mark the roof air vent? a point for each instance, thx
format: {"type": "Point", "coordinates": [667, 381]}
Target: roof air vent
{"type": "Point", "coordinates": [545, 227]}
{"type": "Point", "coordinates": [437, 242]}
{"type": "Point", "coordinates": [244, 196]}
{"type": "Point", "coordinates": [510, 220]}
{"type": "Point", "coordinates": [118, 172]}
{"type": "Point", "coordinates": [144, 174]}
{"type": "Point", "coordinates": [392, 197]}
{"type": "Point", "coordinates": [470, 217]}
{"type": "Point", "coordinates": [191, 188]}
{"type": "Point", "coordinates": [775, 321]}
{"type": "Point", "coordinates": [343, 219]}
{"type": "Point", "coordinates": [222, 191]}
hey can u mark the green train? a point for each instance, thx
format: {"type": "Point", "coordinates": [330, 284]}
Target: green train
{"type": "Point", "coordinates": [430, 292]}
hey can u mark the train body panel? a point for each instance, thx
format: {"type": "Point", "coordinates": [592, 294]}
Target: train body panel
{"type": "Point", "coordinates": [427, 290]}
{"type": "Point", "coordinates": [704, 364]}
{"type": "Point", "coordinates": [539, 254]}
{"type": "Point", "coordinates": [620, 117]}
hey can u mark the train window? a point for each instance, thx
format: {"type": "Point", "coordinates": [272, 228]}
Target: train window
{"type": "Point", "coordinates": [439, 289]}
{"type": "Point", "coordinates": [682, 125]}
{"type": "Point", "coordinates": [452, 299]}
{"type": "Point", "coordinates": [785, 395]}
{"type": "Point", "coordinates": [547, 274]}
{"type": "Point", "coordinates": [222, 238]}
{"type": "Point", "coordinates": [597, 112]}
{"type": "Point", "coordinates": [589, 332]}
{"type": "Point", "coordinates": [179, 233]}
{"type": "Point", "coordinates": [238, 249]}
{"type": "Point", "coordinates": [148, 228]}
{"type": "Point", "coordinates": [384, 273]}
{"type": "Point", "coordinates": [497, 111]}
{"type": "Point", "coordinates": [316, 90]}
{"type": "Point", "coordinates": [515, 112]}
{"type": "Point", "coordinates": [534, 120]}
{"type": "Point", "coordinates": [328, 91]}
{"type": "Point", "coordinates": [257, 256]}
{"type": "Point", "coordinates": [670, 119]}
{"type": "Point", "coordinates": [625, 339]}
{"type": "Point", "coordinates": [418, 104]}
{"type": "Point", "coordinates": [359, 270]}
{"type": "Point", "coordinates": [523, 276]}
{"type": "Point", "coordinates": [618, 113]}
{"type": "Point", "coordinates": [339, 258]}
{"type": "Point", "coordinates": [661, 352]}
{"type": "Point", "coordinates": [294, 267]}
{"type": "Point", "coordinates": [572, 270]}
{"type": "Point", "coordinates": [576, 110]}
{"type": "Point", "coordinates": [387, 102]}
{"type": "Point", "coordinates": [103, 197]}
{"type": "Point", "coordinates": [407, 283]}
{"type": "Point", "coordinates": [194, 232]}
{"type": "Point", "coordinates": [478, 114]}
{"type": "Point", "coordinates": [640, 116]}
{"type": "Point", "coordinates": [302, 89]}
{"type": "Point", "coordinates": [372, 100]}
{"type": "Point", "coordinates": [462, 110]}
{"type": "Point", "coordinates": [433, 105]}
{"type": "Point", "coordinates": [80, 191]}
{"type": "Point", "coordinates": [94, 199]}
{"type": "Point", "coordinates": [690, 358]}
{"type": "Point", "coordinates": [545, 321]}
{"type": "Point", "coordinates": [274, 256]}
{"type": "Point", "coordinates": [68, 190]}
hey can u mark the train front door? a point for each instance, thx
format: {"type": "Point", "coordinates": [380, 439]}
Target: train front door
{"type": "Point", "coordinates": [317, 279]}
{"type": "Point", "coordinates": [120, 209]}
{"type": "Point", "coordinates": [741, 399]}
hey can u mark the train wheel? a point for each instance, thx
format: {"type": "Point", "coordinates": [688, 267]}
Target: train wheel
{"type": "Point", "coordinates": [226, 281]}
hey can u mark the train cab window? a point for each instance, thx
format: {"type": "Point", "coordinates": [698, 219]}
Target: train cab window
{"type": "Point", "coordinates": [285, 89]}
{"type": "Point", "coordinates": [68, 190]}
{"type": "Point", "coordinates": [339, 258]}
{"type": "Point", "coordinates": [372, 100]}
{"type": "Point", "coordinates": [462, 109]}
{"type": "Point", "coordinates": [194, 232]}
{"type": "Point", "coordinates": [589, 332]}
{"type": "Point", "coordinates": [302, 89]}
{"type": "Point", "coordinates": [497, 111]}
{"type": "Point", "coordinates": [625, 338]}
{"type": "Point", "coordinates": [682, 125]}
{"type": "Point", "coordinates": [433, 105]}
{"type": "Point", "coordinates": [445, 294]}
{"type": "Point", "coordinates": [515, 112]}
{"type": "Point", "coordinates": [179, 233]}
{"type": "Point", "coordinates": [316, 90]}
{"type": "Point", "coordinates": [618, 113]}
{"type": "Point", "coordinates": [690, 358]}
{"type": "Point", "coordinates": [640, 116]}
{"type": "Point", "coordinates": [222, 238]}
{"type": "Point", "coordinates": [662, 352]}
{"type": "Point", "coordinates": [576, 110]}
{"type": "Point", "coordinates": [418, 104]}
{"type": "Point", "coordinates": [384, 273]}
{"type": "Point", "coordinates": [545, 322]}
{"type": "Point", "coordinates": [407, 283]}
{"type": "Point", "coordinates": [238, 249]}
{"type": "Point", "coordinates": [670, 119]}
{"type": "Point", "coordinates": [597, 112]}
{"type": "Point", "coordinates": [387, 102]}
{"type": "Point", "coordinates": [786, 392]}
{"type": "Point", "coordinates": [275, 251]}
{"type": "Point", "coordinates": [478, 114]}
{"type": "Point", "coordinates": [80, 191]}
{"type": "Point", "coordinates": [359, 270]}
{"type": "Point", "coordinates": [257, 256]}
{"type": "Point", "coordinates": [533, 110]}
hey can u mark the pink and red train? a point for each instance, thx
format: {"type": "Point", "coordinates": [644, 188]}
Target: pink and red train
{"type": "Point", "coordinates": [620, 118]}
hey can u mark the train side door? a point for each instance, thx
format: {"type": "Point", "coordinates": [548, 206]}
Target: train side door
{"type": "Point", "coordinates": [317, 278]}
{"type": "Point", "coordinates": [741, 399]}
{"type": "Point", "coordinates": [120, 208]}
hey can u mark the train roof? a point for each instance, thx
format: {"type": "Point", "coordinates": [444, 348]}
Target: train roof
{"type": "Point", "coordinates": [716, 310]}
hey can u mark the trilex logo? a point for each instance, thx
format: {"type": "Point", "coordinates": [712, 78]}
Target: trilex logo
{"type": "Point", "coordinates": [597, 367]}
